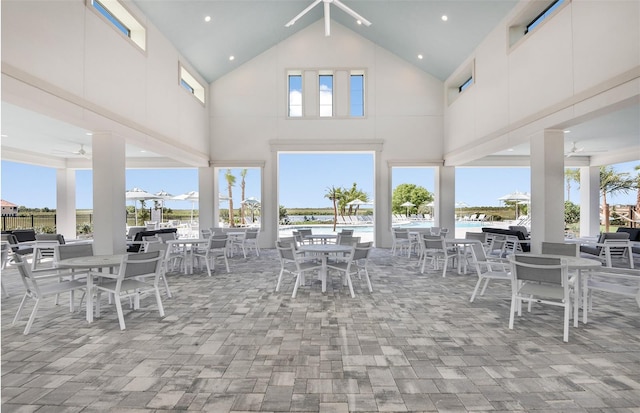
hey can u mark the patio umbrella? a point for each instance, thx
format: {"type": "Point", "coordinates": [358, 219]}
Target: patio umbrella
{"type": "Point", "coordinates": [192, 196]}
{"type": "Point", "coordinates": [253, 203]}
{"type": "Point", "coordinates": [408, 205]}
{"type": "Point", "coordinates": [517, 197]}
{"type": "Point", "coordinates": [137, 194]}
{"type": "Point", "coordinates": [162, 196]}
{"type": "Point", "coordinates": [357, 202]}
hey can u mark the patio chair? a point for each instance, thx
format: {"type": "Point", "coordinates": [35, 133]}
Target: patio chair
{"type": "Point", "coordinates": [561, 248]}
{"type": "Point", "coordinates": [401, 241]}
{"type": "Point", "coordinates": [38, 288]}
{"type": "Point", "coordinates": [248, 241]}
{"type": "Point", "coordinates": [5, 259]}
{"type": "Point", "coordinates": [216, 248]}
{"type": "Point", "coordinates": [542, 280]}
{"type": "Point", "coordinates": [132, 281]}
{"type": "Point", "coordinates": [434, 248]}
{"type": "Point", "coordinates": [356, 264]}
{"type": "Point", "coordinates": [610, 246]}
{"type": "Point", "coordinates": [294, 263]}
{"type": "Point", "coordinates": [44, 247]}
{"type": "Point", "coordinates": [487, 269]}
{"type": "Point", "coordinates": [166, 257]}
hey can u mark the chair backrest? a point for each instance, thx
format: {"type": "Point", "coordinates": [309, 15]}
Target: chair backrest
{"type": "Point", "coordinates": [287, 240]}
{"type": "Point", "coordinates": [617, 247]}
{"type": "Point", "coordinates": [561, 248]}
{"type": "Point", "coordinates": [433, 242]}
{"type": "Point", "coordinates": [144, 263]}
{"type": "Point", "coordinates": [435, 230]}
{"type": "Point", "coordinates": [29, 281]}
{"type": "Point", "coordinates": [10, 238]}
{"type": "Point", "coordinates": [346, 232]}
{"type": "Point", "coordinates": [362, 250]}
{"type": "Point", "coordinates": [59, 238]}
{"type": "Point", "coordinates": [401, 233]}
{"type": "Point", "coordinates": [520, 228]}
{"type": "Point", "coordinates": [166, 236]}
{"type": "Point", "coordinates": [527, 267]}
{"type": "Point", "coordinates": [157, 246]}
{"type": "Point", "coordinates": [205, 233]}
{"type": "Point", "coordinates": [218, 242]}
{"type": "Point", "coordinates": [480, 236]}
{"type": "Point", "coordinates": [477, 252]}
{"type": "Point", "coordinates": [63, 252]}
{"type": "Point", "coordinates": [304, 232]}
{"type": "Point", "coordinates": [610, 235]}
{"type": "Point", "coordinates": [286, 251]}
{"type": "Point", "coordinates": [252, 233]}
{"type": "Point", "coordinates": [347, 240]}
{"type": "Point", "coordinates": [5, 254]}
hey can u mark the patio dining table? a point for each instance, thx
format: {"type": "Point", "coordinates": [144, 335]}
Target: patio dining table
{"type": "Point", "coordinates": [91, 262]}
{"type": "Point", "coordinates": [324, 250]}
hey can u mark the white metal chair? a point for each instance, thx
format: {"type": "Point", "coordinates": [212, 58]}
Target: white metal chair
{"type": "Point", "coordinates": [38, 288]}
{"type": "Point", "coordinates": [216, 248]}
{"type": "Point", "coordinates": [248, 241]}
{"type": "Point", "coordinates": [166, 256]}
{"type": "Point", "coordinates": [487, 269]}
{"type": "Point", "coordinates": [356, 264]}
{"type": "Point", "coordinates": [132, 281]}
{"type": "Point", "coordinates": [434, 248]}
{"type": "Point", "coordinates": [294, 263]}
{"type": "Point", "coordinates": [542, 280]}
{"type": "Point", "coordinates": [401, 241]}
{"type": "Point", "coordinates": [561, 248]}
{"type": "Point", "coordinates": [618, 281]}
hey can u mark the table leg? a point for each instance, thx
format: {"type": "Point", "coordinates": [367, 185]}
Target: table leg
{"type": "Point", "coordinates": [323, 273]}
{"type": "Point", "coordinates": [89, 298]}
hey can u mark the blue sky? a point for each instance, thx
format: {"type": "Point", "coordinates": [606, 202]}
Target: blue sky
{"type": "Point", "coordinates": [304, 179]}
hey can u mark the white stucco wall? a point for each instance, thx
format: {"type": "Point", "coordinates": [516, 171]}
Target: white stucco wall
{"type": "Point", "coordinates": [557, 72]}
{"type": "Point", "coordinates": [93, 75]}
{"type": "Point", "coordinates": [403, 107]}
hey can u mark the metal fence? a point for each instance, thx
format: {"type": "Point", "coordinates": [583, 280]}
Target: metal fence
{"type": "Point", "coordinates": [44, 222]}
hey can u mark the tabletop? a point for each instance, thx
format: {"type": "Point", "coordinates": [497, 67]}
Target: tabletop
{"type": "Point", "coordinates": [325, 248]}
{"type": "Point", "coordinates": [92, 261]}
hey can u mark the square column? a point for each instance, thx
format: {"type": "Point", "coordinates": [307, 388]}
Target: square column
{"type": "Point", "coordinates": [66, 202]}
{"type": "Point", "coordinates": [445, 203]}
{"type": "Point", "coordinates": [547, 188]}
{"type": "Point", "coordinates": [590, 201]}
{"type": "Point", "coordinates": [207, 198]}
{"type": "Point", "coordinates": [109, 202]}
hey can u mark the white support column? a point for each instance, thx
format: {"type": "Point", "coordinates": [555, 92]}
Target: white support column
{"type": "Point", "coordinates": [382, 209]}
{"type": "Point", "coordinates": [445, 203]}
{"type": "Point", "coordinates": [589, 201]}
{"type": "Point", "coordinates": [109, 203]}
{"type": "Point", "coordinates": [207, 198]}
{"type": "Point", "coordinates": [269, 203]}
{"type": "Point", "coordinates": [66, 202]}
{"type": "Point", "coordinates": [547, 188]}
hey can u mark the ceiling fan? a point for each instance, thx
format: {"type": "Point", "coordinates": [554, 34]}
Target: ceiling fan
{"type": "Point", "coordinates": [80, 152]}
{"type": "Point", "coordinates": [327, 14]}
{"type": "Point", "coordinates": [575, 150]}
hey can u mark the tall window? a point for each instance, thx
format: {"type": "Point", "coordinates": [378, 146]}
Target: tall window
{"type": "Point", "coordinates": [546, 13]}
{"type": "Point", "coordinates": [326, 95]}
{"type": "Point", "coordinates": [190, 84]}
{"type": "Point", "coordinates": [295, 95]}
{"type": "Point", "coordinates": [356, 95]}
{"type": "Point", "coordinates": [123, 21]}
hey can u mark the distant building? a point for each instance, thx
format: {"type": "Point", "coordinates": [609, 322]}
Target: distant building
{"type": "Point", "coordinates": [8, 208]}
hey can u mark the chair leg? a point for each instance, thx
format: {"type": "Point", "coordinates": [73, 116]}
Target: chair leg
{"type": "Point", "coordinates": [120, 314]}
{"type": "Point", "coordinates": [226, 262]}
{"type": "Point", "coordinates": [366, 275]}
{"type": "Point", "coordinates": [166, 284]}
{"type": "Point", "coordinates": [348, 276]}
{"type": "Point", "coordinates": [295, 286]}
{"type": "Point", "coordinates": [20, 307]}
{"type": "Point", "coordinates": [486, 283]}
{"type": "Point", "coordinates": [475, 290]}
{"type": "Point", "coordinates": [279, 279]}
{"type": "Point", "coordinates": [512, 312]}
{"type": "Point", "coordinates": [32, 317]}
{"type": "Point", "coordinates": [159, 301]}
{"type": "Point", "coordinates": [567, 311]}
{"type": "Point", "coordinates": [208, 262]}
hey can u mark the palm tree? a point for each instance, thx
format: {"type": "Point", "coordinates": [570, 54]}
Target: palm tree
{"type": "Point", "coordinates": [612, 182]}
{"type": "Point", "coordinates": [231, 181]}
{"type": "Point", "coordinates": [243, 175]}
{"type": "Point", "coordinates": [571, 175]}
{"type": "Point", "coordinates": [334, 194]}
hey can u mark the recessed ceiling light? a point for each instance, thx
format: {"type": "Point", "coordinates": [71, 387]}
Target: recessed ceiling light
{"type": "Point", "coordinates": [4, 136]}
{"type": "Point", "coordinates": [420, 56]}
{"type": "Point", "coordinates": [510, 150]}
{"type": "Point", "coordinates": [89, 133]}
{"type": "Point", "coordinates": [359, 22]}
{"type": "Point", "coordinates": [207, 19]}
{"type": "Point", "coordinates": [231, 58]}
{"type": "Point", "coordinates": [567, 131]}
{"type": "Point", "coordinates": [444, 18]}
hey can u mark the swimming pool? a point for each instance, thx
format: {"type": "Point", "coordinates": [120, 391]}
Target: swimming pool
{"type": "Point", "coordinates": [328, 229]}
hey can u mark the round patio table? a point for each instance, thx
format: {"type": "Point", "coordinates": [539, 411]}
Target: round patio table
{"type": "Point", "coordinates": [324, 250]}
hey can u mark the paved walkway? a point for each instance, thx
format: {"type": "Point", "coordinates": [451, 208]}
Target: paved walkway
{"type": "Point", "coordinates": [229, 343]}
